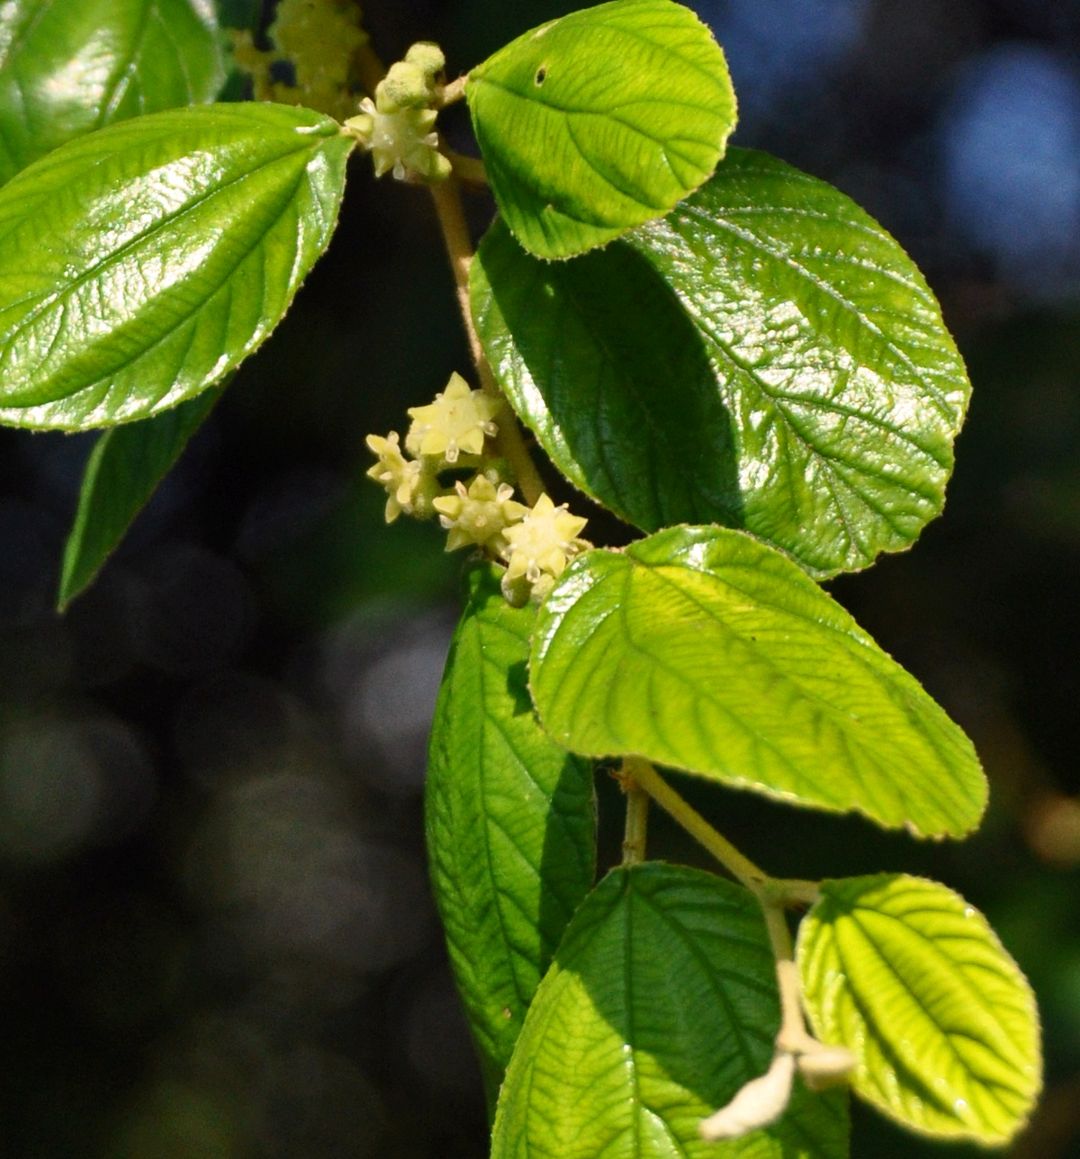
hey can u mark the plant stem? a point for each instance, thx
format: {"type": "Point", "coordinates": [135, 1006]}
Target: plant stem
{"type": "Point", "coordinates": [469, 170]}
{"type": "Point", "coordinates": [737, 864]}
{"type": "Point", "coordinates": [455, 231]}
{"type": "Point", "coordinates": [777, 891]}
{"type": "Point", "coordinates": [637, 822]}
{"type": "Point", "coordinates": [453, 92]}
{"type": "Point", "coordinates": [773, 894]}
{"type": "Point", "coordinates": [509, 442]}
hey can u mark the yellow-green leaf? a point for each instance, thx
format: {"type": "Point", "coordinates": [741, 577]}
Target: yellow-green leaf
{"type": "Point", "coordinates": [912, 979]}
{"type": "Point", "coordinates": [68, 67]}
{"type": "Point", "coordinates": [660, 1005]}
{"type": "Point", "coordinates": [141, 263]}
{"type": "Point", "coordinates": [599, 121]}
{"type": "Point", "coordinates": [701, 649]}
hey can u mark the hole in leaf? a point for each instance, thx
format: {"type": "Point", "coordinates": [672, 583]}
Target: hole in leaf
{"type": "Point", "coordinates": [541, 75]}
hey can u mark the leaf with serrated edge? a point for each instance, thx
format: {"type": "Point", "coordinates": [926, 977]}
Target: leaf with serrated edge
{"type": "Point", "coordinates": [68, 67]}
{"type": "Point", "coordinates": [141, 263]}
{"type": "Point", "coordinates": [510, 823]}
{"type": "Point", "coordinates": [601, 120]}
{"type": "Point", "coordinates": [913, 980]}
{"type": "Point", "coordinates": [660, 1005]}
{"type": "Point", "coordinates": [124, 468]}
{"type": "Point", "coordinates": [765, 357]}
{"type": "Point", "coordinates": [701, 649]}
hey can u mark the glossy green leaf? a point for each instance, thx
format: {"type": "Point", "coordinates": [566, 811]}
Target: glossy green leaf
{"type": "Point", "coordinates": [68, 67]}
{"type": "Point", "coordinates": [510, 823]}
{"type": "Point", "coordinates": [124, 468]}
{"type": "Point", "coordinates": [765, 357]}
{"type": "Point", "coordinates": [660, 1005]}
{"type": "Point", "coordinates": [702, 649]}
{"type": "Point", "coordinates": [914, 981]}
{"type": "Point", "coordinates": [140, 264]}
{"type": "Point", "coordinates": [598, 121]}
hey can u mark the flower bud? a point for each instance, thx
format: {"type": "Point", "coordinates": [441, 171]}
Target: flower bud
{"type": "Point", "coordinates": [428, 58]}
{"type": "Point", "coordinates": [757, 1104]}
{"type": "Point", "coordinates": [403, 87]}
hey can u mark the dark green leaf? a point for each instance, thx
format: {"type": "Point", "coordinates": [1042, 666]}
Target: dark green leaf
{"type": "Point", "coordinates": [141, 263]}
{"type": "Point", "coordinates": [702, 649]}
{"type": "Point", "coordinates": [68, 67]}
{"type": "Point", "coordinates": [599, 121]}
{"type": "Point", "coordinates": [124, 468]}
{"type": "Point", "coordinates": [510, 822]}
{"type": "Point", "coordinates": [765, 357]}
{"type": "Point", "coordinates": [661, 1004]}
{"type": "Point", "coordinates": [915, 983]}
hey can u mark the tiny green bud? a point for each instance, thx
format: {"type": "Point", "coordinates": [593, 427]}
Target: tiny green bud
{"type": "Point", "coordinates": [756, 1104]}
{"type": "Point", "coordinates": [428, 58]}
{"type": "Point", "coordinates": [404, 87]}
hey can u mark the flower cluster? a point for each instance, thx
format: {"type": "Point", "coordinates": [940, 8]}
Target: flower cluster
{"type": "Point", "coordinates": [398, 126]}
{"type": "Point", "coordinates": [538, 550]}
{"type": "Point", "coordinates": [319, 40]}
{"type": "Point", "coordinates": [535, 543]}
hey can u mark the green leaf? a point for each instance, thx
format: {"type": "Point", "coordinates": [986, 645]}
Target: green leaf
{"type": "Point", "coordinates": [660, 1005]}
{"type": "Point", "coordinates": [510, 823]}
{"type": "Point", "coordinates": [140, 264]}
{"type": "Point", "coordinates": [765, 357]}
{"type": "Point", "coordinates": [68, 67]}
{"type": "Point", "coordinates": [601, 120]}
{"type": "Point", "coordinates": [124, 468]}
{"type": "Point", "coordinates": [702, 649]}
{"type": "Point", "coordinates": [913, 980]}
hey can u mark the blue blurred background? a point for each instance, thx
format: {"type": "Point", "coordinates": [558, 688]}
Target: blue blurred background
{"type": "Point", "coordinates": [216, 938]}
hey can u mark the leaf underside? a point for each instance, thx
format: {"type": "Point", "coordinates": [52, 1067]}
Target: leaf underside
{"type": "Point", "coordinates": [942, 1022]}
{"type": "Point", "coordinates": [704, 650]}
{"type": "Point", "coordinates": [660, 1005]}
{"type": "Point", "coordinates": [125, 466]}
{"type": "Point", "coordinates": [510, 823]}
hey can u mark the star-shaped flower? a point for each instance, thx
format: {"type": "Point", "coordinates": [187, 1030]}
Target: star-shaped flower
{"type": "Point", "coordinates": [398, 126]}
{"type": "Point", "coordinates": [408, 483]}
{"type": "Point", "coordinates": [457, 421]}
{"type": "Point", "coordinates": [479, 514]}
{"type": "Point", "coordinates": [540, 546]}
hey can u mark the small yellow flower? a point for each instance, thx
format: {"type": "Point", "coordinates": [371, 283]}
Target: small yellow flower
{"type": "Point", "coordinates": [320, 39]}
{"type": "Point", "coordinates": [540, 546]}
{"type": "Point", "coordinates": [408, 482]}
{"type": "Point", "coordinates": [457, 421]}
{"type": "Point", "coordinates": [478, 514]}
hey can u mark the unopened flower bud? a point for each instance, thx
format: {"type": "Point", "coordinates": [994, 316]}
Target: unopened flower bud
{"type": "Point", "coordinates": [757, 1104]}
{"type": "Point", "coordinates": [403, 87]}
{"type": "Point", "coordinates": [428, 58]}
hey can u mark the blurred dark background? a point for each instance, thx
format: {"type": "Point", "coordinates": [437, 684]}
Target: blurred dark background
{"type": "Point", "coordinates": [216, 938]}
